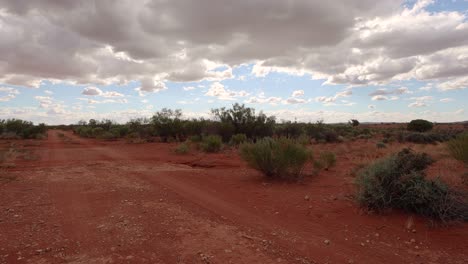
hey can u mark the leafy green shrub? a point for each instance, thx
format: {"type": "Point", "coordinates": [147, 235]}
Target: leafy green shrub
{"type": "Point", "coordinates": [327, 159]}
{"type": "Point", "coordinates": [238, 139]}
{"type": "Point", "coordinates": [276, 159]}
{"type": "Point", "coordinates": [183, 148]}
{"type": "Point", "coordinates": [419, 125]}
{"type": "Point", "coordinates": [399, 182]}
{"type": "Point", "coordinates": [211, 143]}
{"type": "Point", "coordinates": [381, 145]}
{"type": "Point", "coordinates": [458, 147]}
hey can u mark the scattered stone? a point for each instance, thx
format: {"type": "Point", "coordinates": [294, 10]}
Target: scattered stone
{"type": "Point", "coordinates": [362, 244]}
{"type": "Point", "coordinates": [228, 251]}
{"type": "Point", "coordinates": [413, 240]}
{"type": "Point", "coordinates": [161, 200]}
{"type": "Point", "coordinates": [414, 230]}
{"type": "Point", "coordinates": [377, 235]}
{"type": "Point", "coordinates": [307, 198]}
{"type": "Point", "coordinates": [409, 223]}
{"type": "Point", "coordinates": [327, 242]}
{"type": "Point", "coordinates": [350, 261]}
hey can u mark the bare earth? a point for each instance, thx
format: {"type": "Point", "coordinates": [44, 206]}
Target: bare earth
{"type": "Point", "coordinates": [85, 201]}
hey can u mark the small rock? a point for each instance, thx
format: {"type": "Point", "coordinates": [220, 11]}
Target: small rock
{"type": "Point", "coordinates": [414, 230]}
{"type": "Point", "coordinates": [327, 242]}
{"type": "Point", "coordinates": [307, 198]}
{"type": "Point", "coordinates": [228, 251]}
{"type": "Point", "coordinates": [362, 244]}
{"type": "Point", "coordinates": [377, 235]}
{"type": "Point", "coordinates": [161, 200]}
{"type": "Point", "coordinates": [350, 261]}
{"type": "Point", "coordinates": [413, 240]}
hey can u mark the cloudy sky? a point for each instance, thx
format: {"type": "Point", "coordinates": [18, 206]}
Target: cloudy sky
{"type": "Point", "coordinates": [388, 60]}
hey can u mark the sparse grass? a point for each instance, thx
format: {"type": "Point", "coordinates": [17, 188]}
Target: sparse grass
{"type": "Point", "coordinates": [398, 181]}
{"type": "Point", "coordinates": [327, 159]}
{"type": "Point", "coordinates": [458, 147]}
{"type": "Point", "coordinates": [277, 159]}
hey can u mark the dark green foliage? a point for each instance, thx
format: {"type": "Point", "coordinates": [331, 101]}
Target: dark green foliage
{"type": "Point", "coordinates": [276, 159]}
{"type": "Point", "coordinates": [238, 139]}
{"type": "Point", "coordinates": [354, 122]}
{"type": "Point", "coordinates": [22, 129]}
{"type": "Point", "coordinates": [167, 123]}
{"type": "Point", "coordinates": [419, 125]}
{"type": "Point", "coordinates": [458, 147]}
{"type": "Point", "coordinates": [289, 129]}
{"type": "Point", "coordinates": [399, 182]}
{"type": "Point", "coordinates": [211, 143]}
{"type": "Point", "coordinates": [243, 120]}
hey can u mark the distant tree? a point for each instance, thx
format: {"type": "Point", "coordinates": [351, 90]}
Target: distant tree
{"type": "Point", "coordinates": [419, 125]}
{"type": "Point", "coordinates": [242, 120]}
{"type": "Point", "coordinates": [354, 122]}
{"type": "Point", "coordinates": [167, 123]}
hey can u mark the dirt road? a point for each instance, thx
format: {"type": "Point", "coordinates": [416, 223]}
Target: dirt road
{"type": "Point", "coordinates": [86, 201]}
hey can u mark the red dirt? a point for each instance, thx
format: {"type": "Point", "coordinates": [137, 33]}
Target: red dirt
{"type": "Point", "coordinates": [88, 201]}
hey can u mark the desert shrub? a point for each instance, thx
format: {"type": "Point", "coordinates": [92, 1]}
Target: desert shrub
{"type": "Point", "coordinates": [97, 131]}
{"type": "Point", "coordinates": [211, 143]}
{"type": "Point", "coordinates": [238, 139]}
{"type": "Point", "coordinates": [381, 145]}
{"type": "Point", "coordinates": [303, 140]}
{"type": "Point", "coordinates": [421, 138]}
{"type": "Point", "coordinates": [398, 181]}
{"type": "Point", "coordinates": [327, 159]}
{"type": "Point", "coordinates": [458, 147]}
{"type": "Point", "coordinates": [182, 148]}
{"type": "Point", "coordinates": [17, 128]}
{"type": "Point", "coordinates": [276, 159]}
{"type": "Point", "coordinates": [107, 135]}
{"type": "Point", "coordinates": [195, 138]}
{"type": "Point", "coordinates": [60, 135]}
{"type": "Point", "coordinates": [419, 125]}
{"type": "Point", "coordinates": [330, 136]}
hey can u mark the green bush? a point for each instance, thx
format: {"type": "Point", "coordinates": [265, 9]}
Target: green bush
{"type": "Point", "coordinates": [399, 182]}
{"type": "Point", "coordinates": [238, 139]}
{"type": "Point", "coordinates": [419, 125]}
{"type": "Point", "coordinates": [327, 159]}
{"type": "Point", "coordinates": [211, 143]}
{"type": "Point", "coordinates": [276, 159]}
{"type": "Point", "coordinates": [183, 148]}
{"type": "Point", "coordinates": [458, 147]}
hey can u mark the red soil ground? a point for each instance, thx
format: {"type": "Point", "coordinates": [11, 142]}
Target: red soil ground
{"type": "Point", "coordinates": [77, 200]}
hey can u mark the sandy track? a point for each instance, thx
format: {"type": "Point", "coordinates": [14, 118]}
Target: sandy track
{"type": "Point", "coordinates": [86, 201]}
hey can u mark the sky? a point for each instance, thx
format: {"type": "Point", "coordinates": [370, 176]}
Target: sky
{"type": "Point", "coordinates": [305, 60]}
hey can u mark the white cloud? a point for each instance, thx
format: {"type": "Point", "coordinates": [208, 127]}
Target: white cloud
{"type": "Point", "coordinates": [371, 106]}
{"type": "Point", "coordinates": [92, 91]}
{"type": "Point", "coordinates": [379, 98]}
{"type": "Point", "coordinates": [298, 93]}
{"type": "Point", "coordinates": [446, 100]}
{"type": "Point", "coordinates": [331, 100]}
{"type": "Point", "coordinates": [218, 90]}
{"type": "Point", "coordinates": [421, 101]}
{"type": "Point", "coordinates": [454, 84]}
{"type": "Point", "coordinates": [189, 88]}
{"type": "Point", "coordinates": [294, 100]}
{"type": "Point", "coordinates": [48, 92]}
{"type": "Point", "coordinates": [7, 93]}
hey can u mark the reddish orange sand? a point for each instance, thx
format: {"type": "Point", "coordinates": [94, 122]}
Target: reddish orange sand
{"type": "Point", "coordinates": [88, 201]}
